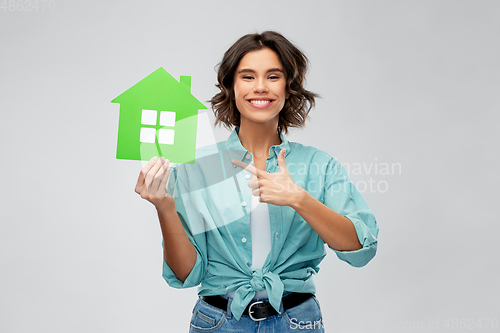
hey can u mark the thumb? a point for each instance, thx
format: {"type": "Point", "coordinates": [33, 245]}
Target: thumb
{"type": "Point", "coordinates": [281, 159]}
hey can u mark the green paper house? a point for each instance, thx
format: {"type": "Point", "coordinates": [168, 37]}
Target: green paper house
{"type": "Point", "coordinates": [158, 117]}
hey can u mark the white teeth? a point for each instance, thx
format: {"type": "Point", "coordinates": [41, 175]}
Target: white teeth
{"type": "Point", "coordinates": [259, 102]}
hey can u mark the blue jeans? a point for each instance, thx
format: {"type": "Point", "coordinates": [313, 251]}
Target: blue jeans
{"type": "Point", "coordinates": [305, 317]}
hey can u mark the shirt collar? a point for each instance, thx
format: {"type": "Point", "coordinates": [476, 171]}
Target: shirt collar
{"type": "Point", "coordinates": [233, 143]}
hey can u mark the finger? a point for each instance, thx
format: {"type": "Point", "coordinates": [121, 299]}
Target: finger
{"type": "Point", "coordinates": [164, 180]}
{"type": "Point", "coordinates": [243, 165]}
{"type": "Point", "coordinates": [256, 192]}
{"type": "Point", "coordinates": [158, 177]}
{"type": "Point", "coordinates": [253, 183]}
{"type": "Point", "coordinates": [281, 159]}
{"type": "Point", "coordinates": [144, 171]}
{"type": "Point", "coordinates": [152, 172]}
{"type": "Point", "coordinates": [250, 168]}
{"type": "Point", "coordinates": [148, 167]}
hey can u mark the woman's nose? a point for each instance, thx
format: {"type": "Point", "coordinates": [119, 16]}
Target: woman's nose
{"type": "Point", "coordinates": [260, 86]}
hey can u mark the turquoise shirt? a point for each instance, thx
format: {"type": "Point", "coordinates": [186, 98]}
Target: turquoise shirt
{"type": "Point", "coordinates": [213, 200]}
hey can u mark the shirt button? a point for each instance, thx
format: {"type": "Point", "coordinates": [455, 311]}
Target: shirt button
{"type": "Point", "coordinates": [247, 176]}
{"type": "Point", "coordinates": [243, 203]}
{"type": "Point", "coordinates": [243, 240]}
{"type": "Point", "coordinates": [248, 157]}
{"type": "Point", "coordinates": [277, 236]}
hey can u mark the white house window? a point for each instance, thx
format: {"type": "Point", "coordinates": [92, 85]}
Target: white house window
{"type": "Point", "coordinates": [166, 136]}
{"type": "Point", "coordinates": [155, 124]}
{"type": "Point", "coordinates": [147, 135]}
{"type": "Point", "coordinates": [167, 118]}
{"type": "Point", "coordinates": [149, 117]}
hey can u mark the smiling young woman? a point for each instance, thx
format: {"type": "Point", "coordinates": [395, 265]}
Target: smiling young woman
{"type": "Point", "coordinates": [254, 232]}
{"type": "Point", "coordinates": [259, 96]}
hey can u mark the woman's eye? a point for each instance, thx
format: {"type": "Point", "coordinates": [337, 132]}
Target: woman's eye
{"type": "Point", "coordinates": [247, 77]}
{"type": "Point", "coordinates": [274, 77]}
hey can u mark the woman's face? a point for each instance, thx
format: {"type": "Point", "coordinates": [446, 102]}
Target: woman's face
{"type": "Point", "coordinates": [260, 87]}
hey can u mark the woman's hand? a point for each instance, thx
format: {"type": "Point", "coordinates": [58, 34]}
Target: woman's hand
{"type": "Point", "coordinates": [152, 181]}
{"type": "Point", "coordinates": [275, 188]}
{"type": "Point", "coordinates": [178, 251]}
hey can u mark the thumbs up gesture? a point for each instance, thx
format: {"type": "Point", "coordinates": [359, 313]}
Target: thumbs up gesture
{"type": "Point", "coordinates": [275, 188]}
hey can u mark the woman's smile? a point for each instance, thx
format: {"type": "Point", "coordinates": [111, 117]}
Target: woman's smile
{"type": "Point", "coordinates": [260, 103]}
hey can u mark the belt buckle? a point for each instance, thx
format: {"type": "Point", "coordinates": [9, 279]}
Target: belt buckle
{"type": "Point", "coordinates": [250, 312]}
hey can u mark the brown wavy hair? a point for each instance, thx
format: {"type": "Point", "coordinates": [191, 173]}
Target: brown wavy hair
{"type": "Point", "coordinates": [300, 101]}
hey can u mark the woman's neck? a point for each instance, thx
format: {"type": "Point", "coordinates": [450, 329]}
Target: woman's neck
{"type": "Point", "coordinates": [259, 138]}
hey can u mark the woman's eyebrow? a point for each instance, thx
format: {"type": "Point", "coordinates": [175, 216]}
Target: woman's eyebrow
{"type": "Point", "coordinates": [249, 70]}
{"type": "Point", "coordinates": [275, 70]}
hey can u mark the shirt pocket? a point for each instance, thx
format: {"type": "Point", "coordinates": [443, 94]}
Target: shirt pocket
{"type": "Point", "coordinates": [223, 204]}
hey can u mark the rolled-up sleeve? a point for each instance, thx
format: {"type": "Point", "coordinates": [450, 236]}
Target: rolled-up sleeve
{"type": "Point", "coordinates": [342, 196]}
{"type": "Point", "coordinates": [194, 278]}
{"type": "Point", "coordinates": [178, 187]}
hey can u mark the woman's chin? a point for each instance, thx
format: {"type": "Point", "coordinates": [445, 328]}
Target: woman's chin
{"type": "Point", "coordinates": [265, 121]}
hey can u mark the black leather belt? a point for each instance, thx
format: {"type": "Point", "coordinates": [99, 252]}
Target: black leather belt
{"type": "Point", "coordinates": [260, 310]}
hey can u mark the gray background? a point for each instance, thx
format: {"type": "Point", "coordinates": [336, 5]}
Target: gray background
{"type": "Point", "coordinates": [414, 84]}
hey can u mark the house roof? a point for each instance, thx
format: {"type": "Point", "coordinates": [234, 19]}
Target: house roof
{"type": "Point", "coordinates": [160, 90]}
